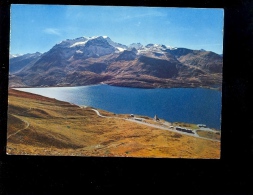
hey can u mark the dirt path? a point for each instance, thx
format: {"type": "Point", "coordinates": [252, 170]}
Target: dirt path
{"type": "Point", "coordinates": [27, 125]}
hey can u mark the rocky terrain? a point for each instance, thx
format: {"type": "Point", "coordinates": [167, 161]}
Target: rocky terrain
{"type": "Point", "coordinates": [94, 60]}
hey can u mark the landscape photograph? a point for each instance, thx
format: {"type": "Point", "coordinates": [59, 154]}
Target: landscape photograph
{"type": "Point", "coordinates": [115, 81]}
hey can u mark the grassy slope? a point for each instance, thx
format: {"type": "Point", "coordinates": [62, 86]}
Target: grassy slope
{"type": "Point", "coordinates": [210, 134]}
{"type": "Point", "coordinates": [50, 127]}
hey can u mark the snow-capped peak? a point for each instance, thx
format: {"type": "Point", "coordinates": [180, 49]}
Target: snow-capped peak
{"type": "Point", "coordinates": [70, 42]}
{"type": "Point", "coordinates": [96, 37]}
{"type": "Point", "coordinates": [136, 46]}
{"type": "Point", "coordinates": [28, 55]}
{"type": "Point", "coordinates": [156, 46]}
{"type": "Point", "coordinates": [14, 55]}
{"type": "Point", "coordinates": [93, 37]}
{"type": "Point", "coordinates": [84, 40]}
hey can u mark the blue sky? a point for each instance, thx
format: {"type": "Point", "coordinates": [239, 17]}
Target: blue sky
{"type": "Point", "coordinates": [39, 27]}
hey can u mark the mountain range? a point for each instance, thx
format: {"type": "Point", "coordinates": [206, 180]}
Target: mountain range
{"type": "Point", "coordinates": [94, 60]}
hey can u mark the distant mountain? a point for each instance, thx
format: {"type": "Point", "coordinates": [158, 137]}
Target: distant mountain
{"type": "Point", "coordinates": [93, 60]}
{"type": "Point", "coordinates": [137, 46]}
{"type": "Point", "coordinates": [17, 62]}
{"type": "Point", "coordinates": [14, 55]}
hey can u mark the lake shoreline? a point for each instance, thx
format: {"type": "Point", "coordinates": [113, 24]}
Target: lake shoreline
{"type": "Point", "coordinates": [173, 87]}
{"type": "Point", "coordinates": [39, 125]}
{"type": "Point", "coordinates": [177, 127]}
{"type": "Point", "coordinates": [192, 105]}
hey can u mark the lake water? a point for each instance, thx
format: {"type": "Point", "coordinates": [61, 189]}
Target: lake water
{"type": "Point", "coordinates": [191, 105]}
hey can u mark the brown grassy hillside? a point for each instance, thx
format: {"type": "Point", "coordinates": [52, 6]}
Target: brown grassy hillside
{"type": "Point", "coordinates": [44, 126]}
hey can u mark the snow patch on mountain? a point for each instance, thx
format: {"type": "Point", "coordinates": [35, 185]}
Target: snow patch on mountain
{"type": "Point", "coordinates": [114, 44]}
{"type": "Point", "coordinates": [79, 43]}
{"type": "Point", "coordinates": [79, 51]}
{"type": "Point", "coordinates": [137, 46]}
{"type": "Point", "coordinates": [84, 40]}
{"type": "Point", "coordinates": [121, 49]}
{"type": "Point", "coordinates": [14, 55]}
{"type": "Point", "coordinates": [96, 37]}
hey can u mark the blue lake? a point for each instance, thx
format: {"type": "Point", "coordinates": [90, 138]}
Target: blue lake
{"type": "Point", "coordinates": [191, 105]}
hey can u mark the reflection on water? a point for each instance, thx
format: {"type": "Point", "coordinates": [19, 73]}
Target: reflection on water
{"type": "Point", "coordinates": [191, 105]}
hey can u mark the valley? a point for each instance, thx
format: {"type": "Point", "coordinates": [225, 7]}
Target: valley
{"type": "Point", "coordinates": [38, 125]}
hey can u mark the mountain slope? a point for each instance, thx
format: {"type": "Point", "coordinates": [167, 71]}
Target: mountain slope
{"type": "Point", "coordinates": [93, 60]}
{"type": "Point", "coordinates": [20, 61]}
{"type": "Point", "coordinates": [43, 126]}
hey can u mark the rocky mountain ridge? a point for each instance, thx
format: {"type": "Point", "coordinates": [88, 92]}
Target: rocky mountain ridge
{"type": "Point", "coordinates": [84, 61]}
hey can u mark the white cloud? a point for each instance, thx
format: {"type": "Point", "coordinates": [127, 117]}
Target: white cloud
{"type": "Point", "coordinates": [52, 31]}
{"type": "Point", "coordinates": [148, 14]}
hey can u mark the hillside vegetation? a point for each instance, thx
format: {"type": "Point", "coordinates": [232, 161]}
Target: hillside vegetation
{"type": "Point", "coordinates": [43, 126]}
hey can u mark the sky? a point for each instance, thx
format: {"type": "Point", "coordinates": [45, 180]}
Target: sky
{"type": "Point", "coordinates": [37, 28]}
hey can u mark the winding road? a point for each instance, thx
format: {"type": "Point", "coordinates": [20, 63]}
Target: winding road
{"type": "Point", "coordinates": [156, 126]}
{"type": "Point", "coordinates": [131, 120]}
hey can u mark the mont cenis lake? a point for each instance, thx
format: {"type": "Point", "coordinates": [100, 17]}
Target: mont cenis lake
{"type": "Point", "coordinates": [190, 105]}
